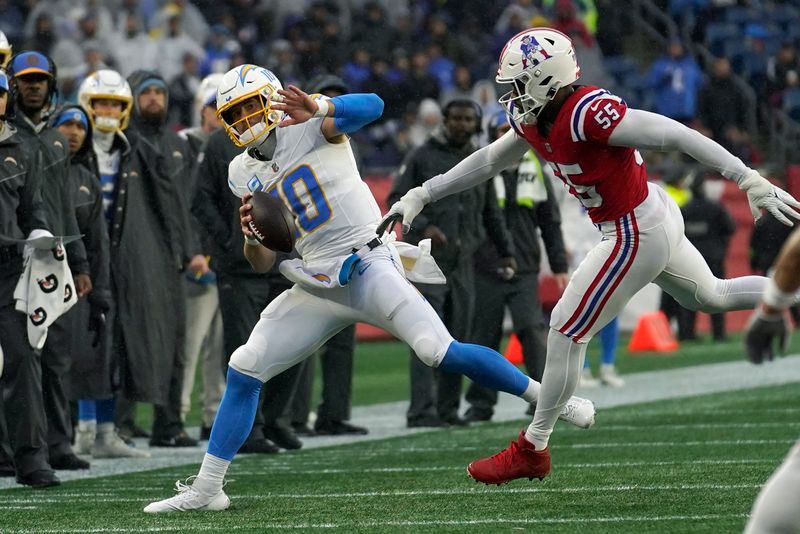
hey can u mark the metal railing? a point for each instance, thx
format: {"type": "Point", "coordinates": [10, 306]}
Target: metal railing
{"type": "Point", "coordinates": [649, 18]}
{"type": "Point", "coordinates": [784, 138]}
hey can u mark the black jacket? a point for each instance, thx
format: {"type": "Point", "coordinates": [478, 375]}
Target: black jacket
{"type": "Point", "coordinates": [524, 225]}
{"type": "Point", "coordinates": [52, 152]}
{"type": "Point", "coordinates": [464, 218]}
{"type": "Point", "coordinates": [82, 176]}
{"type": "Point", "coordinates": [217, 209]}
{"type": "Point", "coordinates": [146, 284]}
{"type": "Point", "coordinates": [709, 227]}
{"type": "Point", "coordinates": [21, 207]}
{"type": "Point", "coordinates": [766, 242]}
{"type": "Point", "coordinates": [177, 166]}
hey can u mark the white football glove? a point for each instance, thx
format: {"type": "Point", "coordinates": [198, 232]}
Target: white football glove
{"type": "Point", "coordinates": [409, 206]}
{"type": "Point", "coordinates": [761, 194]}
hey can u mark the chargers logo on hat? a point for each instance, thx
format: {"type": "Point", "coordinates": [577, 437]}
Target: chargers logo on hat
{"type": "Point", "coordinates": [3, 81]}
{"type": "Point", "coordinates": [30, 63]}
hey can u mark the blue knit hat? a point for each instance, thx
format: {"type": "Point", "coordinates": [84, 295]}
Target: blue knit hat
{"type": "Point", "coordinates": [71, 114]}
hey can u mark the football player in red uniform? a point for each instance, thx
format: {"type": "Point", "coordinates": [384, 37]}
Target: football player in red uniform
{"type": "Point", "coordinates": [591, 139]}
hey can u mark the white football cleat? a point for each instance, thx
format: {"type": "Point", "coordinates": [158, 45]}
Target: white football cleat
{"type": "Point", "coordinates": [84, 439]}
{"type": "Point", "coordinates": [189, 499]}
{"type": "Point", "coordinates": [587, 380]}
{"type": "Point", "coordinates": [609, 376]}
{"type": "Point", "coordinates": [579, 412]}
{"type": "Point", "coordinates": [110, 445]}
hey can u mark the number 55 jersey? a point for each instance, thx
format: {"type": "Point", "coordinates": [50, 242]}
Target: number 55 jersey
{"type": "Point", "coordinates": [319, 182]}
{"type": "Point", "coordinates": [609, 181]}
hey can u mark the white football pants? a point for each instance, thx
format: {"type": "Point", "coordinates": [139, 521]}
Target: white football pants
{"type": "Point", "coordinates": [302, 319]}
{"type": "Point", "coordinates": [647, 245]}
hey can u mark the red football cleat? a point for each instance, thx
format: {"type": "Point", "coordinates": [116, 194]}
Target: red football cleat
{"type": "Point", "coordinates": [518, 460]}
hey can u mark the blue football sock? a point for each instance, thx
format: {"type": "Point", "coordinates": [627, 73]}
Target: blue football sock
{"type": "Point", "coordinates": [105, 411]}
{"type": "Point", "coordinates": [609, 337]}
{"type": "Point", "coordinates": [235, 415]}
{"type": "Point", "coordinates": [485, 367]}
{"type": "Point", "coordinates": [87, 410]}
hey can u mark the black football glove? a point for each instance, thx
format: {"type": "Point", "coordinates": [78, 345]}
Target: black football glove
{"type": "Point", "coordinates": [761, 334]}
{"type": "Point", "coordinates": [97, 324]}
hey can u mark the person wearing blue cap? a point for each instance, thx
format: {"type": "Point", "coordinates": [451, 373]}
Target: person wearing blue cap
{"type": "Point", "coordinates": [23, 438]}
{"type": "Point", "coordinates": [92, 369]}
{"type": "Point", "coordinates": [525, 197]}
{"type": "Point", "coordinates": [34, 88]}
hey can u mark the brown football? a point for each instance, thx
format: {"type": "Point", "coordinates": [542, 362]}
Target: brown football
{"type": "Point", "coordinates": [272, 223]}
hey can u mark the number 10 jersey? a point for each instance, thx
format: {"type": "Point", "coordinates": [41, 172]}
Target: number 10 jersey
{"type": "Point", "coordinates": [609, 181]}
{"type": "Point", "coordinates": [319, 182]}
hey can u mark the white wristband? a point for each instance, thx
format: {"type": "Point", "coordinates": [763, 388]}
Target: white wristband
{"type": "Point", "coordinates": [776, 298]}
{"type": "Point", "coordinates": [322, 108]}
{"type": "Point", "coordinates": [250, 241]}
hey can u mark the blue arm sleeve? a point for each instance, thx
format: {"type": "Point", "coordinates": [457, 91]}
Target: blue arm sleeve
{"type": "Point", "coordinates": [354, 111]}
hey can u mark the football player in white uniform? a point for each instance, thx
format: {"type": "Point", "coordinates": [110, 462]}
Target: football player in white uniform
{"type": "Point", "coordinates": [775, 510]}
{"type": "Point", "coordinates": [5, 51]}
{"type": "Point", "coordinates": [346, 274]}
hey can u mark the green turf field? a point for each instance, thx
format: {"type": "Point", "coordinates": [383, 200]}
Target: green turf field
{"type": "Point", "coordinates": [692, 465]}
{"type": "Point", "coordinates": [381, 369]}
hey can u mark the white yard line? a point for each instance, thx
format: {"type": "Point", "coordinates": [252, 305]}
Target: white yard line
{"type": "Point", "coordinates": [474, 489]}
{"type": "Point", "coordinates": [375, 524]}
{"type": "Point", "coordinates": [388, 420]}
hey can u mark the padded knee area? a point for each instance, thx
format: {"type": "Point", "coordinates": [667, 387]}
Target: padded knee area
{"type": "Point", "coordinates": [245, 360]}
{"type": "Point", "coordinates": [429, 344]}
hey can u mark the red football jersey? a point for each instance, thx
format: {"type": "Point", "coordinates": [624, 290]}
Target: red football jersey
{"type": "Point", "coordinates": [609, 181]}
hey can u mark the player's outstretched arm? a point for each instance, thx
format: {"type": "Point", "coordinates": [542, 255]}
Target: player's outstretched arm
{"type": "Point", "coordinates": [261, 258]}
{"type": "Point", "coordinates": [769, 323]}
{"type": "Point", "coordinates": [471, 171]}
{"type": "Point", "coordinates": [645, 130]}
{"type": "Point", "coordinates": [342, 114]}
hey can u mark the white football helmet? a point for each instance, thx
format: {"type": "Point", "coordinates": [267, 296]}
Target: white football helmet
{"type": "Point", "coordinates": [206, 94]}
{"type": "Point", "coordinates": [106, 85]}
{"type": "Point", "coordinates": [243, 83]}
{"type": "Point", "coordinates": [537, 62]}
{"type": "Point", "coordinates": [5, 51]}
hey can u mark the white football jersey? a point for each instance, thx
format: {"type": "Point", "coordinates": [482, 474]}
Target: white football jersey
{"type": "Point", "coordinates": [334, 210]}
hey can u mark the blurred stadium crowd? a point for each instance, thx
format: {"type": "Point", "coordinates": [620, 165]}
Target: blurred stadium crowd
{"type": "Point", "coordinates": [721, 66]}
{"type": "Point", "coordinates": [420, 54]}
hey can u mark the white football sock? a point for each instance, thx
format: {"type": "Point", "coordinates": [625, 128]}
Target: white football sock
{"type": "Point", "coordinates": [210, 479]}
{"type": "Point", "coordinates": [561, 374]}
{"type": "Point", "coordinates": [84, 425]}
{"type": "Point", "coordinates": [531, 393]}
